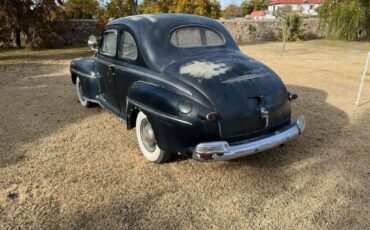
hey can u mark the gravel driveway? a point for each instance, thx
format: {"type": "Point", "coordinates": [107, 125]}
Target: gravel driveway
{"type": "Point", "coordinates": [64, 166]}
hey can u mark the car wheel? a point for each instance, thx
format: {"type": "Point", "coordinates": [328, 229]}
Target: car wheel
{"type": "Point", "coordinates": [147, 142]}
{"type": "Point", "coordinates": [83, 101]}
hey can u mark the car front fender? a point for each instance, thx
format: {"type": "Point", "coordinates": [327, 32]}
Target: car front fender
{"type": "Point", "coordinates": [84, 68]}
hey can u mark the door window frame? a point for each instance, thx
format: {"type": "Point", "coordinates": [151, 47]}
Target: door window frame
{"type": "Point", "coordinates": [120, 48]}
{"type": "Point", "coordinates": [105, 53]}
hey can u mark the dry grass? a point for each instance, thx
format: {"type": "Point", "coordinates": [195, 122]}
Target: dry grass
{"type": "Point", "coordinates": [63, 166]}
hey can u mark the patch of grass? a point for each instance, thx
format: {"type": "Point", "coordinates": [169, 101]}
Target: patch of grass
{"type": "Point", "coordinates": [66, 52]}
{"type": "Point", "coordinates": [361, 45]}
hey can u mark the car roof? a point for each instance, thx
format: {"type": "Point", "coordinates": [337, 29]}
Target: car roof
{"type": "Point", "coordinates": [169, 19]}
{"type": "Point", "coordinates": [152, 32]}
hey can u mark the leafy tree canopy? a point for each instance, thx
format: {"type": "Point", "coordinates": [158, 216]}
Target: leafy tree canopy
{"type": "Point", "coordinates": [231, 10]}
{"type": "Point", "coordinates": [37, 19]}
{"type": "Point", "coordinates": [346, 19]}
{"type": "Point", "coordinates": [247, 7]}
{"type": "Point", "coordinates": [83, 9]}
{"type": "Point", "coordinates": [199, 7]}
{"type": "Point", "coordinates": [120, 8]}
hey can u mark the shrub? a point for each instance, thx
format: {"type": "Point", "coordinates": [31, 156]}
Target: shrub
{"type": "Point", "coordinates": [291, 28]}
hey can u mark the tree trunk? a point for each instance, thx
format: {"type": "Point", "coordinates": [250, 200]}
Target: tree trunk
{"type": "Point", "coordinates": [283, 48]}
{"type": "Point", "coordinates": [17, 35]}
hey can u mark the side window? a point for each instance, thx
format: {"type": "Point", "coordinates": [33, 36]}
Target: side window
{"type": "Point", "coordinates": [128, 48]}
{"type": "Point", "coordinates": [109, 45]}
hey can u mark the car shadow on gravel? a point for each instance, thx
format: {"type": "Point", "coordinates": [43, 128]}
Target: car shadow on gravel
{"type": "Point", "coordinates": [324, 123]}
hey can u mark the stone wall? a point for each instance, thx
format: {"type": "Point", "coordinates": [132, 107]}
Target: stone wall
{"type": "Point", "coordinates": [71, 32]}
{"type": "Point", "coordinates": [255, 30]}
{"type": "Point", "coordinates": [242, 30]}
{"type": "Point", "coordinates": [77, 31]}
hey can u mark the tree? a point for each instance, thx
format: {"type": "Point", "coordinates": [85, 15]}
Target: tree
{"type": "Point", "coordinates": [290, 26]}
{"type": "Point", "coordinates": [13, 14]}
{"type": "Point", "coordinates": [165, 5]}
{"type": "Point", "coordinates": [345, 19]}
{"type": "Point", "coordinates": [85, 9]}
{"type": "Point", "coordinates": [199, 7]}
{"type": "Point", "coordinates": [183, 7]}
{"type": "Point", "coordinates": [214, 9]}
{"type": "Point", "coordinates": [149, 7]}
{"type": "Point", "coordinates": [37, 19]}
{"type": "Point", "coordinates": [231, 10]}
{"type": "Point", "coordinates": [259, 5]}
{"type": "Point", "coordinates": [120, 8]}
{"type": "Point", "coordinates": [247, 7]}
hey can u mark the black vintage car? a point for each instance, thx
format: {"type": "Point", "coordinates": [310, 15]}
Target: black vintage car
{"type": "Point", "coordinates": [182, 81]}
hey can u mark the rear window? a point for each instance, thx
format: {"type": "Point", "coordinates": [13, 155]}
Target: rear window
{"type": "Point", "coordinates": [196, 36]}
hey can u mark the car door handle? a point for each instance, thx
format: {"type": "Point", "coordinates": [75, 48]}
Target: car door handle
{"type": "Point", "coordinates": [112, 69]}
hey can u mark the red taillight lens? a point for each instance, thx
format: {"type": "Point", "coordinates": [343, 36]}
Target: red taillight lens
{"type": "Point", "coordinates": [292, 96]}
{"type": "Point", "coordinates": [208, 116]}
{"type": "Point", "coordinates": [211, 117]}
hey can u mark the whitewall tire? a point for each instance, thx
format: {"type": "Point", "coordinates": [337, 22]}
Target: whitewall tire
{"type": "Point", "coordinates": [147, 143]}
{"type": "Point", "coordinates": [83, 101]}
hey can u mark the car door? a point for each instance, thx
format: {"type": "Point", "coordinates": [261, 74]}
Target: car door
{"type": "Point", "coordinates": [106, 71]}
{"type": "Point", "coordinates": [128, 70]}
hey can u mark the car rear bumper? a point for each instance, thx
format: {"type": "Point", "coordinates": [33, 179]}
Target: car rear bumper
{"type": "Point", "coordinates": [221, 150]}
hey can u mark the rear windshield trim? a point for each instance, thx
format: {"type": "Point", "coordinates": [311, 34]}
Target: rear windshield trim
{"type": "Point", "coordinates": [196, 25]}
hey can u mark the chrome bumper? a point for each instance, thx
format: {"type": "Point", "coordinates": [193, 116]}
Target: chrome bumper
{"type": "Point", "coordinates": [221, 150]}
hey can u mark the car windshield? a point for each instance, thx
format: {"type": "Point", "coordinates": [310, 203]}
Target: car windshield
{"type": "Point", "coordinates": [195, 36]}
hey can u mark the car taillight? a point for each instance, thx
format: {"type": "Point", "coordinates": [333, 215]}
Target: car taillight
{"type": "Point", "coordinates": [211, 117]}
{"type": "Point", "coordinates": [292, 96]}
{"type": "Point", "coordinates": [208, 116]}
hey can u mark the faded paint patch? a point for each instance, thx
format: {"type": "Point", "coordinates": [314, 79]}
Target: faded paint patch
{"type": "Point", "coordinates": [204, 69]}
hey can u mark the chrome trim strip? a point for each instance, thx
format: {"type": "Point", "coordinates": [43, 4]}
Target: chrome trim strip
{"type": "Point", "coordinates": [156, 112]}
{"type": "Point", "coordinates": [81, 73]}
{"type": "Point", "coordinates": [144, 74]}
{"type": "Point", "coordinates": [245, 77]}
{"type": "Point", "coordinates": [221, 150]}
{"type": "Point", "coordinates": [93, 101]}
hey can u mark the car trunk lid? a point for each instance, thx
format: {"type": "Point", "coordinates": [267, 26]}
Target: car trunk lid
{"type": "Point", "coordinates": [247, 95]}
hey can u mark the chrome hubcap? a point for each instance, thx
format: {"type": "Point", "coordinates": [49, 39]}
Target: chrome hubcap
{"type": "Point", "coordinates": [147, 135]}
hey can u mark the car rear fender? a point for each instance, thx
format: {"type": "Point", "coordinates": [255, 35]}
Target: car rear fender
{"type": "Point", "coordinates": [176, 126]}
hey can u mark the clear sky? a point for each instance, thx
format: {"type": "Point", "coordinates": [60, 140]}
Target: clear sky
{"type": "Point", "coordinates": [224, 3]}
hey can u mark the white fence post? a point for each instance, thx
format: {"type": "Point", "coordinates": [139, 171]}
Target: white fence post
{"type": "Point", "coordinates": [363, 80]}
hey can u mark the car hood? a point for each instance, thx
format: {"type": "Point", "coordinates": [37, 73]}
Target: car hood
{"type": "Point", "coordinates": [238, 87]}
